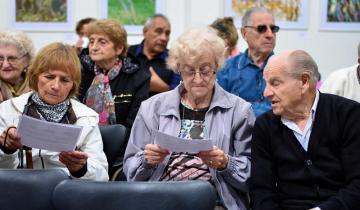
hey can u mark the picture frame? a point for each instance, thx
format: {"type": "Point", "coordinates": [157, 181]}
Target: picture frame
{"type": "Point", "coordinates": [137, 27]}
{"type": "Point", "coordinates": [297, 19]}
{"type": "Point", "coordinates": [52, 15]}
{"type": "Point", "coordinates": [336, 18]}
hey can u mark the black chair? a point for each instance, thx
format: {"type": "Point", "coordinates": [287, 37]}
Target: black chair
{"type": "Point", "coordinates": [114, 140]}
{"type": "Point", "coordinates": [79, 194]}
{"type": "Point", "coordinates": [29, 189]}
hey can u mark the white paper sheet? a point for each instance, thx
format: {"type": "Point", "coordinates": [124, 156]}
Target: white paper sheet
{"type": "Point", "coordinates": [176, 144]}
{"type": "Point", "coordinates": [47, 135]}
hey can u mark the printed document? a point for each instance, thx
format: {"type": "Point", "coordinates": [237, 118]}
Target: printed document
{"type": "Point", "coordinates": [176, 144]}
{"type": "Point", "coordinates": [51, 136]}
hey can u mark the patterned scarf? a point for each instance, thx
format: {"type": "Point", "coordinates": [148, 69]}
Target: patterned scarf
{"type": "Point", "coordinates": [99, 96]}
{"type": "Point", "coordinates": [50, 113]}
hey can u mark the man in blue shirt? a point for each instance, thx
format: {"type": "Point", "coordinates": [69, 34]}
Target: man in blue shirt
{"type": "Point", "coordinates": [152, 54]}
{"type": "Point", "coordinates": [243, 74]}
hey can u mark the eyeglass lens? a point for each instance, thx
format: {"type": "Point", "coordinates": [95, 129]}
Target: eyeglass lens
{"type": "Point", "coordinates": [263, 28]}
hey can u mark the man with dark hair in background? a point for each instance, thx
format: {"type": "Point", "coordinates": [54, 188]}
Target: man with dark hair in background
{"type": "Point", "coordinates": [152, 54]}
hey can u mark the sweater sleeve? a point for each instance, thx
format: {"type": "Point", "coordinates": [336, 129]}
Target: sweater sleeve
{"type": "Point", "coordinates": [348, 197]}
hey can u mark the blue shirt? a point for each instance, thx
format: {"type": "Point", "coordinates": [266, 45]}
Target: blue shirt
{"type": "Point", "coordinates": [242, 77]}
{"type": "Point", "coordinates": [303, 136]}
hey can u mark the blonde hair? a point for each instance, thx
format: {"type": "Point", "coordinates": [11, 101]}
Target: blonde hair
{"type": "Point", "coordinates": [112, 29]}
{"type": "Point", "coordinates": [19, 40]}
{"type": "Point", "coordinates": [56, 56]}
{"type": "Point", "coordinates": [194, 43]}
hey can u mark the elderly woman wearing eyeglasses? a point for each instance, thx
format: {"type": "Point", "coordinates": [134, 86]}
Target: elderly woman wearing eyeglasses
{"type": "Point", "coordinates": [16, 53]}
{"type": "Point", "coordinates": [197, 109]}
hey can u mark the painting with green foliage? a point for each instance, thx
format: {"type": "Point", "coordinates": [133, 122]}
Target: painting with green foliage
{"type": "Point", "coordinates": [41, 11]}
{"type": "Point", "coordinates": [131, 12]}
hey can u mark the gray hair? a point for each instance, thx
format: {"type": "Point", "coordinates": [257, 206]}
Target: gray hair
{"type": "Point", "coordinates": [301, 62]}
{"type": "Point", "coordinates": [149, 22]}
{"type": "Point", "coordinates": [247, 17]}
{"type": "Point", "coordinates": [194, 43]}
{"type": "Point", "coordinates": [20, 40]}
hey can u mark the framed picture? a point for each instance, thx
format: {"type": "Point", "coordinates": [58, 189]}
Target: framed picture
{"type": "Point", "coordinates": [132, 13]}
{"type": "Point", "coordinates": [340, 15]}
{"type": "Point", "coordinates": [54, 15]}
{"type": "Point", "coordinates": [289, 14]}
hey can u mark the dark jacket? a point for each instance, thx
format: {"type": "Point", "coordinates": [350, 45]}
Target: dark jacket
{"type": "Point", "coordinates": [129, 88]}
{"type": "Point", "coordinates": [285, 176]}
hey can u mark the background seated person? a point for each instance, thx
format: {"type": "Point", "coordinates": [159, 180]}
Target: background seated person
{"type": "Point", "coordinates": [111, 83]}
{"type": "Point", "coordinates": [54, 76]}
{"type": "Point", "coordinates": [16, 53]}
{"type": "Point", "coordinates": [198, 108]}
{"type": "Point", "coordinates": [152, 54]}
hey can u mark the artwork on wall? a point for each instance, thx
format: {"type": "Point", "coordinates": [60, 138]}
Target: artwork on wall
{"type": "Point", "coordinates": [54, 15]}
{"type": "Point", "coordinates": [289, 14]}
{"type": "Point", "coordinates": [340, 15]}
{"type": "Point", "coordinates": [132, 13]}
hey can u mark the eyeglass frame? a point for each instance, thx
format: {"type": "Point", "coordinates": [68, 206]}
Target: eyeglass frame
{"type": "Point", "coordinates": [12, 63]}
{"type": "Point", "coordinates": [204, 74]}
{"type": "Point", "coordinates": [262, 28]}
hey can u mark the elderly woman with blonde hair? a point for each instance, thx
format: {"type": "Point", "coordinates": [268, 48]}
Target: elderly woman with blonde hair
{"type": "Point", "coordinates": [197, 109]}
{"type": "Point", "coordinates": [54, 77]}
{"type": "Point", "coordinates": [16, 53]}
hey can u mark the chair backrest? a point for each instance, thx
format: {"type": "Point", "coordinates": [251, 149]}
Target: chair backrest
{"type": "Point", "coordinates": [78, 194]}
{"type": "Point", "coordinates": [114, 139]}
{"type": "Point", "coordinates": [29, 189]}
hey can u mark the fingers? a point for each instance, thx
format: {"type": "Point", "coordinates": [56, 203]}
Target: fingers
{"type": "Point", "coordinates": [215, 158]}
{"type": "Point", "coordinates": [11, 139]}
{"type": "Point", "coordinates": [73, 160]}
{"type": "Point", "coordinates": [154, 154]}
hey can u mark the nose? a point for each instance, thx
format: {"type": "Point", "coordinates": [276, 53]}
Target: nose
{"type": "Point", "coordinates": [164, 37]}
{"type": "Point", "coordinates": [268, 93]}
{"type": "Point", "coordinates": [197, 77]}
{"type": "Point", "coordinates": [55, 84]}
{"type": "Point", "coordinates": [269, 33]}
{"type": "Point", "coordinates": [5, 63]}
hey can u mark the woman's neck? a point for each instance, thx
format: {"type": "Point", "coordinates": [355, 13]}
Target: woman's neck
{"type": "Point", "coordinates": [107, 64]}
{"type": "Point", "coordinates": [196, 103]}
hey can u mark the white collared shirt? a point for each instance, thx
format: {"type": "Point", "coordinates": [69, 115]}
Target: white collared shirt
{"type": "Point", "coordinates": [303, 136]}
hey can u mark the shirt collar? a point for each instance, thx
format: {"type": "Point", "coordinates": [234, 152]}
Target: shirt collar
{"type": "Point", "coordinates": [248, 61]}
{"type": "Point", "coordinates": [140, 49]}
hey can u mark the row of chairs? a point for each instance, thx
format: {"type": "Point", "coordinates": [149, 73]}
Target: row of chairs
{"type": "Point", "coordinates": [24, 189]}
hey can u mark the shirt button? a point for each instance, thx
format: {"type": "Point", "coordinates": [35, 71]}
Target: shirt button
{"type": "Point", "coordinates": [308, 162]}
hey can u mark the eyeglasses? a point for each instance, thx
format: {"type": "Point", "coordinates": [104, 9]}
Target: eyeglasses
{"type": "Point", "coordinates": [12, 60]}
{"type": "Point", "coordinates": [263, 28]}
{"type": "Point", "coordinates": [205, 72]}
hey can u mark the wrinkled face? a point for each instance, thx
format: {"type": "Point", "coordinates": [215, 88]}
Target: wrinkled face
{"type": "Point", "coordinates": [12, 64]}
{"type": "Point", "coordinates": [54, 86]}
{"type": "Point", "coordinates": [263, 43]}
{"type": "Point", "coordinates": [199, 77]}
{"type": "Point", "coordinates": [284, 91]}
{"type": "Point", "coordinates": [157, 36]}
{"type": "Point", "coordinates": [102, 49]}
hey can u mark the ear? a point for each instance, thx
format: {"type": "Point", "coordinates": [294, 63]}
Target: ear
{"type": "Point", "coordinates": [119, 50]}
{"type": "Point", "coordinates": [243, 33]}
{"type": "Point", "coordinates": [359, 60]}
{"type": "Point", "coordinates": [305, 82]}
{"type": "Point", "coordinates": [145, 29]}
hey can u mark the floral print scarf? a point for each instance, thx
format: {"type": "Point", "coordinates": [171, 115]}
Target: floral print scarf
{"type": "Point", "coordinates": [99, 96]}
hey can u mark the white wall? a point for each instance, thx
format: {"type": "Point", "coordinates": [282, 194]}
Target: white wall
{"type": "Point", "coordinates": [331, 49]}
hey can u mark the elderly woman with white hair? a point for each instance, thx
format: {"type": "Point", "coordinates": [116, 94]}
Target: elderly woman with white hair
{"type": "Point", "coordinates": [16, 53]}
{"type": "Point", "coordinates": [197, 109]}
